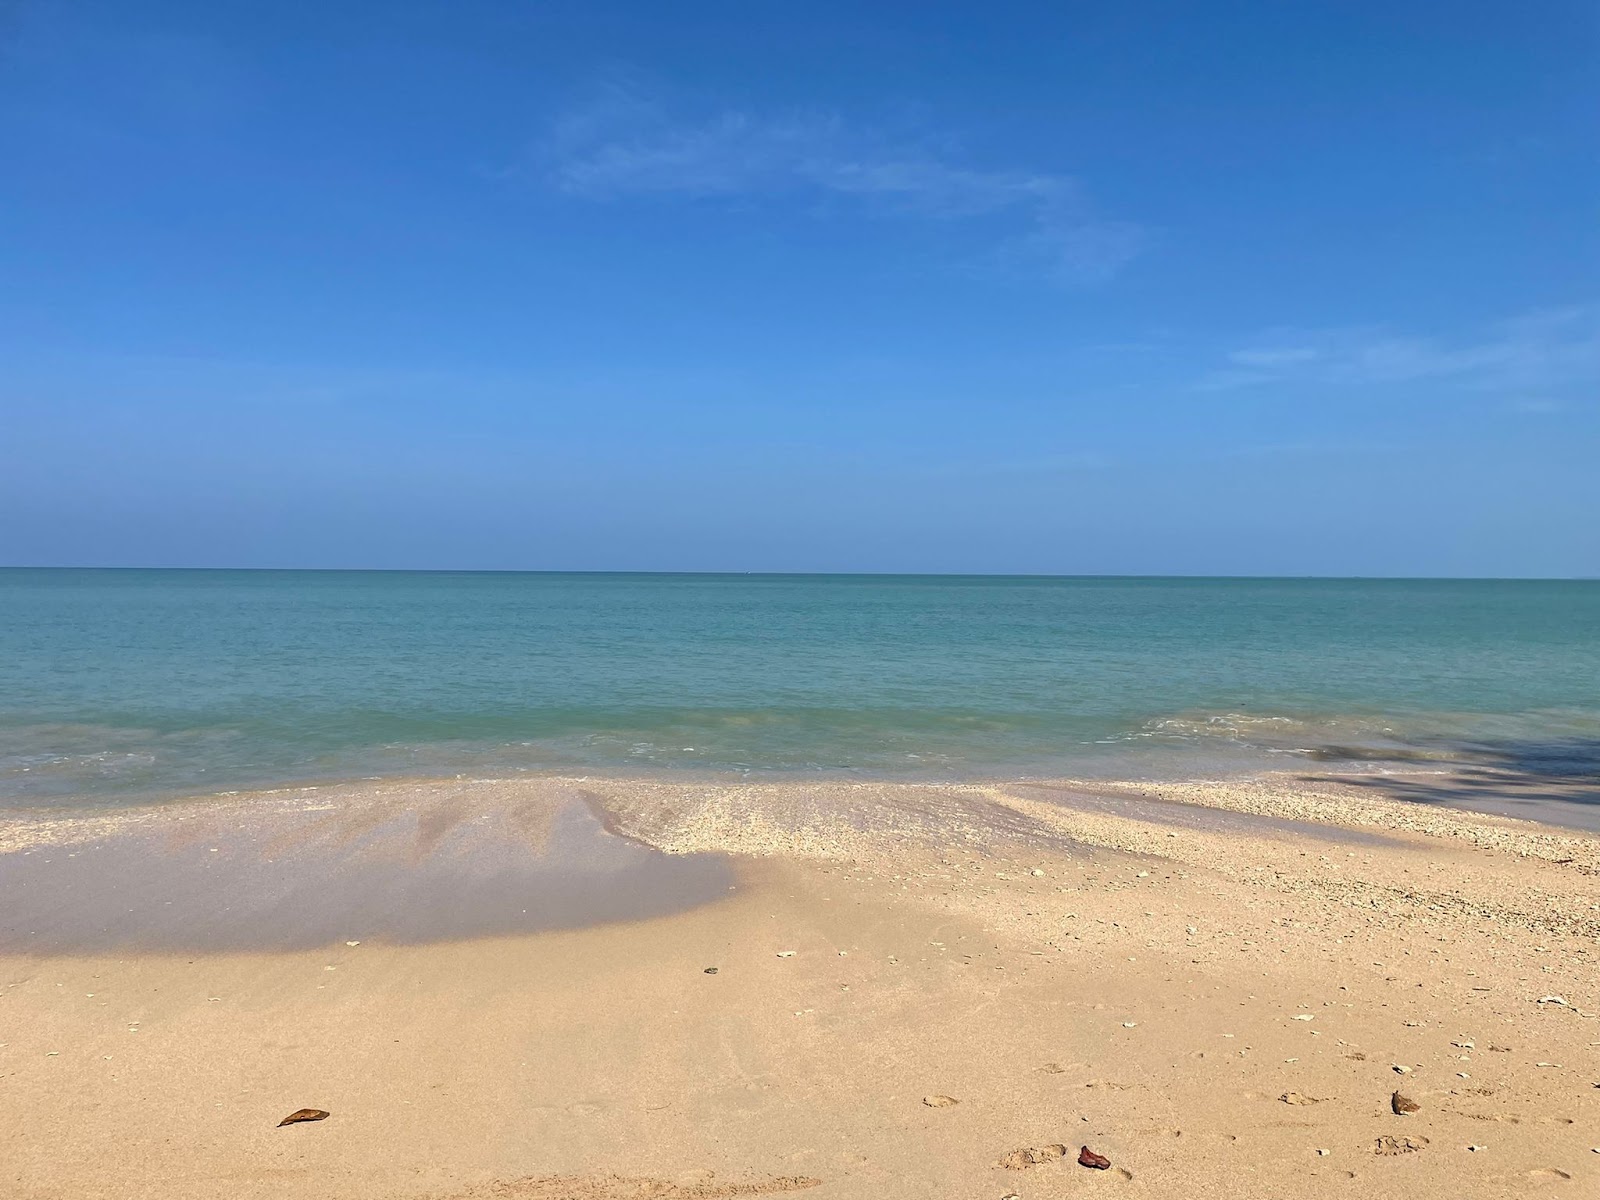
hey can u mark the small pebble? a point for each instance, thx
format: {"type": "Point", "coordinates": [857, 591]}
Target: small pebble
{"type": "Point", "coordinates": [785, 953]}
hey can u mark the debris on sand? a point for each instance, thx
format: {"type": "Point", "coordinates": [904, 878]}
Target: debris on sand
{"type": "Point", "coordinates": [1552, 1000]}
{"type": "Point", "coordinates": [940, 1101]}
{"type": "Point", "coordinates": [1388, 1145]}
{"type": "Point", "coordinates": [711, 970]}
{"type": "Point", "coordinates": [1299, 1098]}
{"type": "Point", "coordinates": [1032, 1156]}
{"type": "Point", "coordinates": [1088, 1158]}
{"type": "Point", "coordinates": [304, 1114]}
{"type": "Point", "coordinates": [1403, 1104]}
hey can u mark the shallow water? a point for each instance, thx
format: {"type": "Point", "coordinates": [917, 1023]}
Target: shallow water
{"type": "Point", "coordinates": [121, 686]}
{"type": "Point", "coordinates": [263, 877]}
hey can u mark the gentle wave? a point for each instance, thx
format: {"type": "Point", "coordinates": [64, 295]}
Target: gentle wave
{"type": "Point", "coordinates": [117, 686]}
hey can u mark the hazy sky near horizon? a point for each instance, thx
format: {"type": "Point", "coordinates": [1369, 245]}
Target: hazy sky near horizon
{"type": "Point", "coordinates": [1037, 287]}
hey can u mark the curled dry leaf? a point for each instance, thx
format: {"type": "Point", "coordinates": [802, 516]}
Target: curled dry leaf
{"type": "Point", "coordinates": [304, 1114]}
{"type": "Point", "coordinates": [1088, 1158]}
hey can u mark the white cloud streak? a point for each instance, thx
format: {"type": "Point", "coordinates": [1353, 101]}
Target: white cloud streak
{"type": "Point", "coordinates": [1546, 349]}
{"type": "Point", "coordinates": [627, 147]}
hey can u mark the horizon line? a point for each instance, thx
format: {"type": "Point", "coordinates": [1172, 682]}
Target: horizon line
{"type": "Point", "coordinates": [1354, 578]}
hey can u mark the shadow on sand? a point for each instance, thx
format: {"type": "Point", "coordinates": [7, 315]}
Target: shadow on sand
{"type": "Point", "coordinates": [1554, 780]}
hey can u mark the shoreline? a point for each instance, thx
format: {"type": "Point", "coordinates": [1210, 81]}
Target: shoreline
{"type": "Point", "coordinates": [1207, 982]}
{"type": "Point", "coordinates": [1345, 799]}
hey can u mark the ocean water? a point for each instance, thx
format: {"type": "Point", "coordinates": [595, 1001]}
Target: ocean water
{"type": "Point", "coordinates": [122, 686]}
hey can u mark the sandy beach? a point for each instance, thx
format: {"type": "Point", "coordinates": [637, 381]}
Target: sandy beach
{"type": "Point", "coordinates": [850, 990]}
{"type": "Point", "coordinates": [637, 601]}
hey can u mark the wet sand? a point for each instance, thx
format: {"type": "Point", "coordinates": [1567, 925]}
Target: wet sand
{"type": "Point", "coordinates": [395, 863]}
{"type": "Point", "coordinates": [1217, 986]}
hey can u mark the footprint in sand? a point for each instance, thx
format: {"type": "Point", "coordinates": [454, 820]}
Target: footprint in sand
{"type": "Point", "coordinates": [1032, 1156]}
{"type": "Point", "coordinates": [1300, 1098]}
{"type": "Point", "coordinates": [1548, 1175]}
{"type": "Point", "coordinates": [1388, 1146]}
{"type": "Point", "coordinates": [696, 1186]}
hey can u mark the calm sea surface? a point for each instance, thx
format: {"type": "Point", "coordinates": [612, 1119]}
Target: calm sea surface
{"type": "Point", "coordinates": [117, 686]}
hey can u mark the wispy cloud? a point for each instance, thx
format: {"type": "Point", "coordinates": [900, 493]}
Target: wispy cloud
{"type": "Point", "coordinates": [626, 146]}
{"type": "Point", "coordinates": [1546, 349]}
{"type": "Point", "coordinates": [1536, 405]}
{"type": "Point", "coordinates": [1276, 357]}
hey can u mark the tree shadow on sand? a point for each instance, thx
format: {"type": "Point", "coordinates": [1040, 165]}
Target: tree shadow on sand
{"type": "Point", "coordinates": [1556, 780]}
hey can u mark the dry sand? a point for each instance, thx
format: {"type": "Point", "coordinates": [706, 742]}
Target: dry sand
{"type": "Point", "coordinates": [1217, 986]}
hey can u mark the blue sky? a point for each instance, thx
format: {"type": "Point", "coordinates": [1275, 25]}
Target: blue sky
{"type": "Point", "coordinates": [1143, 288]}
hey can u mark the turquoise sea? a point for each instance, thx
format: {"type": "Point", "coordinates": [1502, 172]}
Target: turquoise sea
{"type": "Point", "coordinates": [122, 685]}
